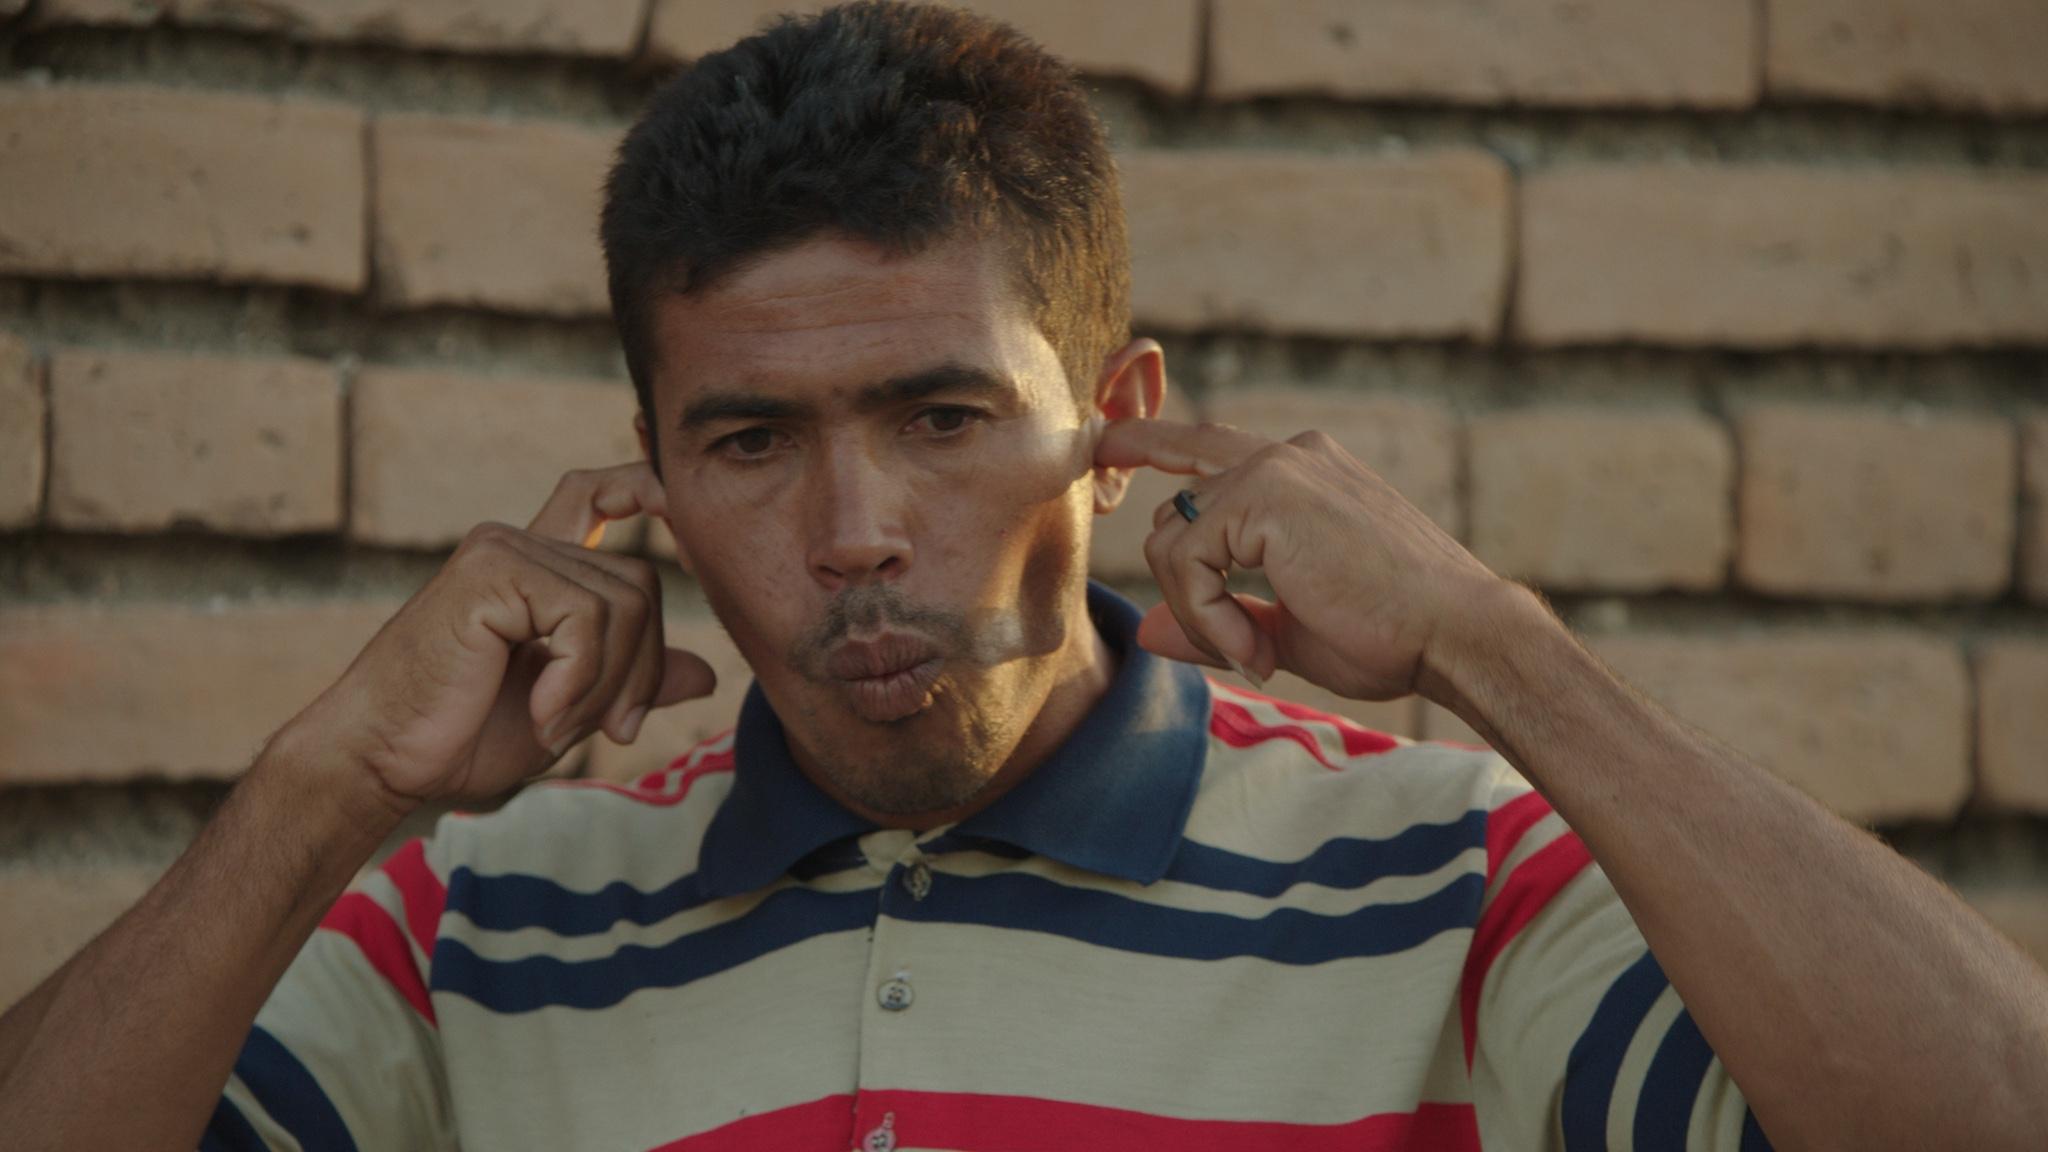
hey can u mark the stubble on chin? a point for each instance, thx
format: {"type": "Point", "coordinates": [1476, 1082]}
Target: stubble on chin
{"type": "Point", "coordinates": [908, 772]}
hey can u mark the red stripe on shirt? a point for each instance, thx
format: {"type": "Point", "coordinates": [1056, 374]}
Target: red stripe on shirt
{"type": "Point", "coordinates": [681, 768]}
{"type": "Point", "coordinates": [647, 789]}
{"type": "Point", "coordinates": [1527, 890]}
{"type": "Point", "coordinates": [422, 891]}
{"type": "Point", "coordinates": [1235, 726]}
{"type": "Point", "coordinates": [1358, 739]}
{"type": "Point", "coordinates": [1507, 824]}
{"type": "Point", "coordinates": [992, 1123]}
{"type": "Point", "coordinates": [371, 927]}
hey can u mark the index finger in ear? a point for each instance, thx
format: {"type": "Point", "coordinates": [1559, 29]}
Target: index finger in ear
{"type": "Point", "coordinates": [585, 499]}
{"type": "Point", "coordinates": [1171, 446]}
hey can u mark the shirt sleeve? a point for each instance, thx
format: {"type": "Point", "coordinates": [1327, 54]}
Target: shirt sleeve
{"type": "Point", "coordinates": [1576, 1040]}
{"type": "Point", "coordinates": [346, 1053]}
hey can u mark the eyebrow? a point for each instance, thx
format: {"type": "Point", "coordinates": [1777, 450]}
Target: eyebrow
{"type": "Point", "coordinates": [956, 378]}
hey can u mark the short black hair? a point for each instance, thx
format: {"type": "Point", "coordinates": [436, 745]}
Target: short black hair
{"type": "Point", "coordinates": [899, 124]}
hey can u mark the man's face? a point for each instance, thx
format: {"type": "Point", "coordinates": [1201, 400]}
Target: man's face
{"type": "Point", "coordinates": [877, 471]}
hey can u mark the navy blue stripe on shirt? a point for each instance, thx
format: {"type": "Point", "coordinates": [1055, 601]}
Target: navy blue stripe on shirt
{"type": "Point", "coordinates": [1595, 1062]}
{"type": "Point", "coordinates": [787, 917]}
{"type": "Point", "coordinates": [290, 1094]}
{"type": "Point", "coordinates": [1671, 1088]}
{"type": "Point", "coordinates": [1029, 903]}
{"type": "Point", "coordinates": [510, 901]}
{"type": "Point", "coordinates": [1006, 900]}
{"type": "Point", "coordinates": [230, 1131]}
{"type": "Point", "coordinates": [1341, 863]}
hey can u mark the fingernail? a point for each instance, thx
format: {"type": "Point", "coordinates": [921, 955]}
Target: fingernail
{"type": "Point", "coordinates": [556, 749]}
{"type": "Point", "coordinates": [631, 724]}
{"type": "Point", "coordinates": [1257, 681]}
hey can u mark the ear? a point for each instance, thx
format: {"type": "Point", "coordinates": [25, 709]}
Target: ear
{"type": "Point", "coordinates": [1132, 387]}
{"type": "Point", "coordinates": [654, 462]}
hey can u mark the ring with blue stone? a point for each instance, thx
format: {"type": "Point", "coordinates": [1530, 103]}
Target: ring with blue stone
{"type": "Point", "coordinates": [1184, 503]}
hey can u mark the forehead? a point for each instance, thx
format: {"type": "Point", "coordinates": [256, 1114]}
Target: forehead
{"type": "Point", "coordinates": [834, 313]}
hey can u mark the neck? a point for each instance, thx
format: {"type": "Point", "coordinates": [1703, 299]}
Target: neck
{"type": "Point", "coordinates": [1086, 668]}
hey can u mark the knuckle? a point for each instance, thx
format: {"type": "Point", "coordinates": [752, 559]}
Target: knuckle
{"type": "Point", "coordinates": [1315, 440]}
{"type": "Point", "coordinates": [592, 604]}
{"type": "Point", "coordinates": [643, 575]}
{"type": "Point", "coordinates": [1275, 455]}
{"type": "Point", "coordinates": [483, 541]}
{"type": "Point", "coordinates": [636, 606]}
{"type": "Point", "coordinates": [1155, 548]}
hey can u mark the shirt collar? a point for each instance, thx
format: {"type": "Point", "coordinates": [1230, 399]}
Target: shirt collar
{"type": "Point", "coordinates": [1114, 798]}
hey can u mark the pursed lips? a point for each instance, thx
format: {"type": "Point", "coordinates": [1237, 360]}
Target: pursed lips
{"type": "Point", "coordinates": [888, 677]}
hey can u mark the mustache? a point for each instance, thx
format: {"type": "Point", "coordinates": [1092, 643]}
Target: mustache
{"type": "Point", "coordinates": [875, 608]}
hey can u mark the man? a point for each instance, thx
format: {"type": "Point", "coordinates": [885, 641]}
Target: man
{"type": "Point", "coordinates": [983, 866]}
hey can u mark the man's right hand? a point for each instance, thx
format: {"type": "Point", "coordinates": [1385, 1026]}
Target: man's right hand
{"type": "Point", "coordinates": [522, 644]}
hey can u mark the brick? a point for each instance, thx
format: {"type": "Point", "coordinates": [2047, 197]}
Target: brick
{"type": "Point", "coordinates": [1116, 546]}
{"type": "Point", "coordinates": [1875, 724]}
{"type": "Point", "coordinates": [669, 732]}
{"type": "Point", "coordinates": [2034, 507]}
{"type": "Point", "coordinates": [1595, 52]}
{"type": "Point", "coordinates": [452, 193]}
{"type": "Point", "coordinates": [2012, 724]}
{"type": "Point", "coordinates": [1583, 499]}
{"type": "Point", "coordinates": [1771, 256]}
{"type": "Point", "coordinates": [134, 181]}
{"type": "Point", "coordinates": [53, 911]}
{"type": "Point", "coordinates": [1412, 444]}
{"type": "Point", "coordinates": [2020, 914]}
{"type": "Point", "coordinates": [131, 13]}
{"type": "Point", "coordinates": [23, 410]}
{"type": "Point", "coordinates": [1319, 245]}
{"type": "Point", "coordinates": [1156, 41]}
{"type": "Point", "coordinates": [436, 453]}
{"type": "Point", "coordinates": [117, 692]}
{"type": "Point", "coordinates": [1867, 504]}
{"type": "Point", "coordinates": [1970, 54]}
{"type": "Point", "coordinates": [142, 442]}
{"type": "Point", "coordinates": [573, 27]}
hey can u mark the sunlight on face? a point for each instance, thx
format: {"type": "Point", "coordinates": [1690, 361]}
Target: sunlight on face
{"type": "Point", "coordinates": [880, 478]}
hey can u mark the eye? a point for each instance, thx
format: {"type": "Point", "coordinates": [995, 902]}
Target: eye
{"type": "Point", "coordinates": [746, 443]}
{"type": "Point", "coordinates": [946, 420]}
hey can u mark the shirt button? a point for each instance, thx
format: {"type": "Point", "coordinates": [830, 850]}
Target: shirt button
{"type": "Point", "coordinates": [895, 994]}
{"type": "Point", "coordinates": [881, 1138]}
{"type": "Point", "coordinates": [917, 880]}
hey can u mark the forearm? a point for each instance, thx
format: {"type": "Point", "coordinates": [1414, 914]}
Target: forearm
{"type": "Point", "coordinates": [1854, 1000]}
{"type": "Point", "coordinates": [153, 1013]}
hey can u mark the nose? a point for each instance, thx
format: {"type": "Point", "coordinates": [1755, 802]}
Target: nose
{"type": "Point", "coordinates": [858, 515]}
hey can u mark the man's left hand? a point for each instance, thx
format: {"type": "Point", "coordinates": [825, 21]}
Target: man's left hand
{"type": "Point", "coordinates": [1366, 584]}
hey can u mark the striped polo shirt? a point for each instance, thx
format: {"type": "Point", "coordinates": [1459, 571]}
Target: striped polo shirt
{"type": "Point", "coordinates": [1211, 920]}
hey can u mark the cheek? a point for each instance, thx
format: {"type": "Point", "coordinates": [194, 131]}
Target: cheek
{"type": "Point", "coordinates": [1015, 491]}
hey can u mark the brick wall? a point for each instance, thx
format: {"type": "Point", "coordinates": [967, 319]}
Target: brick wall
{"type": "Point", "coordinates": [1725, 322]}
